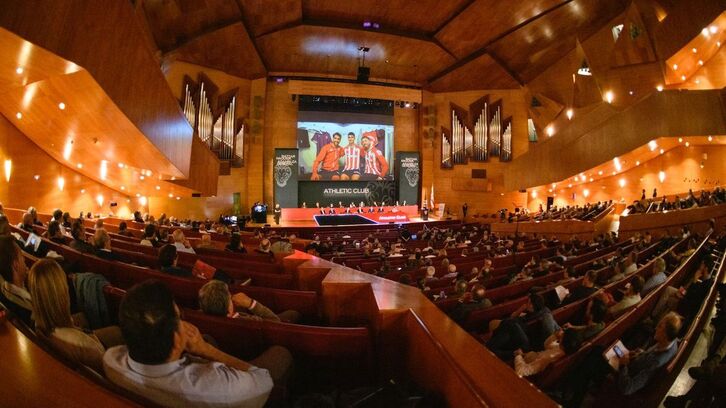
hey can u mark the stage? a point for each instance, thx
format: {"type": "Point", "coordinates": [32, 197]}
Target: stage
{"type": "Point", "coordinates": [312, 223]}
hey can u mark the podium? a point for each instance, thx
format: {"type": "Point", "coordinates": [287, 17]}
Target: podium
{"type": "Point", "coordinates": [259, 214]}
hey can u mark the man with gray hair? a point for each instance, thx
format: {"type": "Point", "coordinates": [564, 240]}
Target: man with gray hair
{"type": "Point", "coordinates": [215, 299]}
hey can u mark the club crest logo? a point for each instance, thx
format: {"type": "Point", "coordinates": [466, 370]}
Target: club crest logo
{"type": "Point", "coordinates": [282, 175]}
{"type": "Point", "coordinates": [412, 176]}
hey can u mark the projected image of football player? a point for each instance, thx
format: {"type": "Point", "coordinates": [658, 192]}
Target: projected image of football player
{"type": "Point", "coordinates": [328, 156]}
{"type": "Point", "coordinates": [352, 151]}
{"type": "Point", "coordinates": [375, 166]}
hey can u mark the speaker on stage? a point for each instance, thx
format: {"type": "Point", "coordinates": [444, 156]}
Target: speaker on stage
{"type": "Point", "coordinates": [259, 213]}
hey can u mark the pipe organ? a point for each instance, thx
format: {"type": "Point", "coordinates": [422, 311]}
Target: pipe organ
{"type": "Point", "coordinates": [476, 134]}
{"type": "Point", "coordinates": [213, 118]}
{"type": "Point", "coordinates": [446, 149]}
{"type": "Point", "coordinates": [480, 150]}
{"type": "Point", "coordinates": [495, 131]}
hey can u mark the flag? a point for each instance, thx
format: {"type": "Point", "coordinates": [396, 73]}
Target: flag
{"type": "Point", "coordinates": [432, 196]}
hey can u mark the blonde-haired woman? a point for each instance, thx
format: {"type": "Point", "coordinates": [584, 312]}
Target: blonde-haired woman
{"type": "Point", "coordinates": [52, 313]}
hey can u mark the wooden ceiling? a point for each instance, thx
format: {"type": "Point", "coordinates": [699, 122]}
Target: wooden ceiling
{"type": "Point", "coordinates": [442, 45]}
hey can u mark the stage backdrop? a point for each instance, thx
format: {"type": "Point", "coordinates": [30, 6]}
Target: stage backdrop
{"type": "Point", "coordinates": [332, 192]}
{"type": "Point", "coordinates": [286, 177]}
{"type": "Point", "coordinates": [408, 171]}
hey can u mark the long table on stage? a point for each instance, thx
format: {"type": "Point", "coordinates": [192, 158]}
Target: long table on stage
{"type": "Point", "coordinates": [401, 214]}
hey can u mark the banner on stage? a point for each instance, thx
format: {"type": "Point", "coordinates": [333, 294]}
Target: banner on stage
{"type": "Point", "coordinates": [408, 170]}
{"type": "Point", "coordinates": [286, 175]}
{"type": "Point", "coordinates": [442, 207]}
{"type": "Point", "coordinates": [346, 192]}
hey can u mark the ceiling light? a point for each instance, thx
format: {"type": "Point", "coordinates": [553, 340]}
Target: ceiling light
{"type": "Point", "coordinates": [83, 190]}
{"type": "Point", "coordinates": [67, 149]}
{"type": "Point", "coordinates": [688, 144]}
{"type": "Point", "coordinates": [569, 113]}
{"type": "Point", "coordinates": [718, 43]}
{"type": "Point", "coordinates": [104, 169]}
{"type": "Point", "coordinates": [659, 88]}
{"type": "Point", "coordinates": [584, 69]}
{"type": "Point", "coordinates": [698, 81]}
{"type": "Point", "coordinates": [143, 200]}
{"type": "Point", "coordinates": [19, 115]}
{"type": "Point", "coordinates": [705, 32]}
{"type": "Point", "coordinates": [713, 29]}
{"type": "Point", "coordinates": [178, 198]}
{"type": "Point", "coordinates": [694, 50]}
{"type": "Point", "coordinates": [61, 106]}
{"type": "Point", "coordinates": [141, 177]}
{"type": "Point", "coordinates": [19, 70]}
{"type": "Point", "coordinates": [618, 166]}
{"type": "Point", "coordinates": [637, 162]}
{"type": "Point", "coordinates": [631, 93]}
{"type": "Point", "coordinates": [550, 130]}
{"type": "Point", "coordinates": [37, 177]}
{"type": "Point", "coordinates": [158, 187]}
{"type": "Point", "coordinates": [138, 195]}
{"type": "Point", "coordinates": [680, 140]}
{"type": "Point", "coordinates": [586, 193]}
{"type": "Point", "coordinates": [120, 165]}
{"type": "Point", "coordinates": [621, 182]}
{"type": "Point", "coordinates": [683, 77]}
{"type": "Point", "coordinates": [8, 169]}
{"type": "Point", "coordinates": [173, 178]}
{"type": "Point", "coordinates": [652, 145]}
{"type": "Point", "coordinates": [710, 138]}
{"type": "Point", "coordinates": [609, 96]}
{"type": "Point", "coordinates": [577, 178]}
{"type": "Point", "coordinates": [661, 151]}
{"type": "Point", "coordinates": [675, 67]}
{"type": "Point", "coordinates": [661, 176]}
{"type": "Point", "coordinates": [123, 188]}
{"type": "Point", "coordinates": [171, 195]}
{"type": "Point", "coordinates": [99, 200]}
{"type": "Point", "coordinates": [79, 165]}
{"type": "Point", "coordinates": [554, 185]}
{"type": "Point", "coordinates": [61, 183]}
{"type": "Point", "coordinates": [591, 179]}
{"type": "Point", "coordinates": [599, 173]}
{"type": "Point", "coordinates": [569, 186]}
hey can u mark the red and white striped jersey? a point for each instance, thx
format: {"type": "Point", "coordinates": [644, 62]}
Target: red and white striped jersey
{"type": "Point", "coordinates": [352, 158]}
{"type": "Point", "coordinates": [375, 163]}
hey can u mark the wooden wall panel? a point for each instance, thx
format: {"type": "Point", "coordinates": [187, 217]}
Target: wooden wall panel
{"type": "Point", "coordinates": [122, 64]}
{"type": "Point", "coordinates": [280, 130]}
{"type": "Point", "coordinates": [682, 167]}
{"type": "Point", "coordinates": [79, 192]}
{"type": "Point", "coordinates": [678, 113]}
{"type": "Point", "coordinates": [203, 170]}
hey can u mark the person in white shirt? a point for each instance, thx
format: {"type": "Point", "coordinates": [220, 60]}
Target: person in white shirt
{"type": "Point", "coordinates": [657, 278]}
{"type": "Point", "coordinates": [559, 344]}
{"type": "Point", "coordinates": [167, 361]}
{"type": "Point", "coordinates": [181, 243]}
{"type": "Point", "coordinates": [631, 298]}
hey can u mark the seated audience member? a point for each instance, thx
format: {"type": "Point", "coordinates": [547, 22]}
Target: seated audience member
{"type": "Point", "coordinates": [66, 220]}
{"type": "Point", "coordinates": [282, 246]}
{"type": "Point", "coordinates": [102, 246]}
{"type": "Point", "coordinates": [594, 319]}
{"type": "Point", "coordinates": [4, 226]}
{"type": "Point", "coordinates": [215, 299]}
{"type": "Point", "coordinates": [450, 272]}
{"type": "Point", "coordinates": [205, 241]}
{"type": "Point", "coordinates": [630, 298]}
{"type": "Point", "coordinates": [235, 244]}
{"type": "Point", "coordinates": [264, 247]}
{"type": "Point", "coordinates": [168, 259]}
{"type": "Point", "coordinates": [657, 278]}
{"type": "Point", "coordinates": [631, 265]}
{"type": "Point", "coordinates": [48, 285]}
{"type": "Point", "coordinates": [34, 213]}
{"type": "Point", "coordinates": [137, 217]}
{"type": "Point", "coordinates": [586, 289]}
{"type": "Point", "coordinates": [54, 233]}
{"type": "Point", "coordinates": [123, 229]}
{"type": "Point", "coordinates": [470, 301]}
{"type": "Point", "coordinates": [13, 272]}
{"type": "Point", "coordinates": [485, 274]}
{"type": "Point", "coordinates": [27, 223]}
{"type": "Point", "coordinates": [98, 224]}
{"type": "Point", "coordinates": [688, 299]}
{"type": "Point", "coordinates": [635, 369]}
{"type": "Point", "coordinates": [78, 232]}
{"type": "Point", "coordinates": [510, 334]}
{"type": "Point", "coordinates": [166, 360]}
{"type": "Point", "coordinates": [149, 238]}
{"type": "Point", "coordinates": [556, 346]}
{"type": "Point", "coordinates": [618, 272]}
{"type": "Point", "coordinates": [181, 243]}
